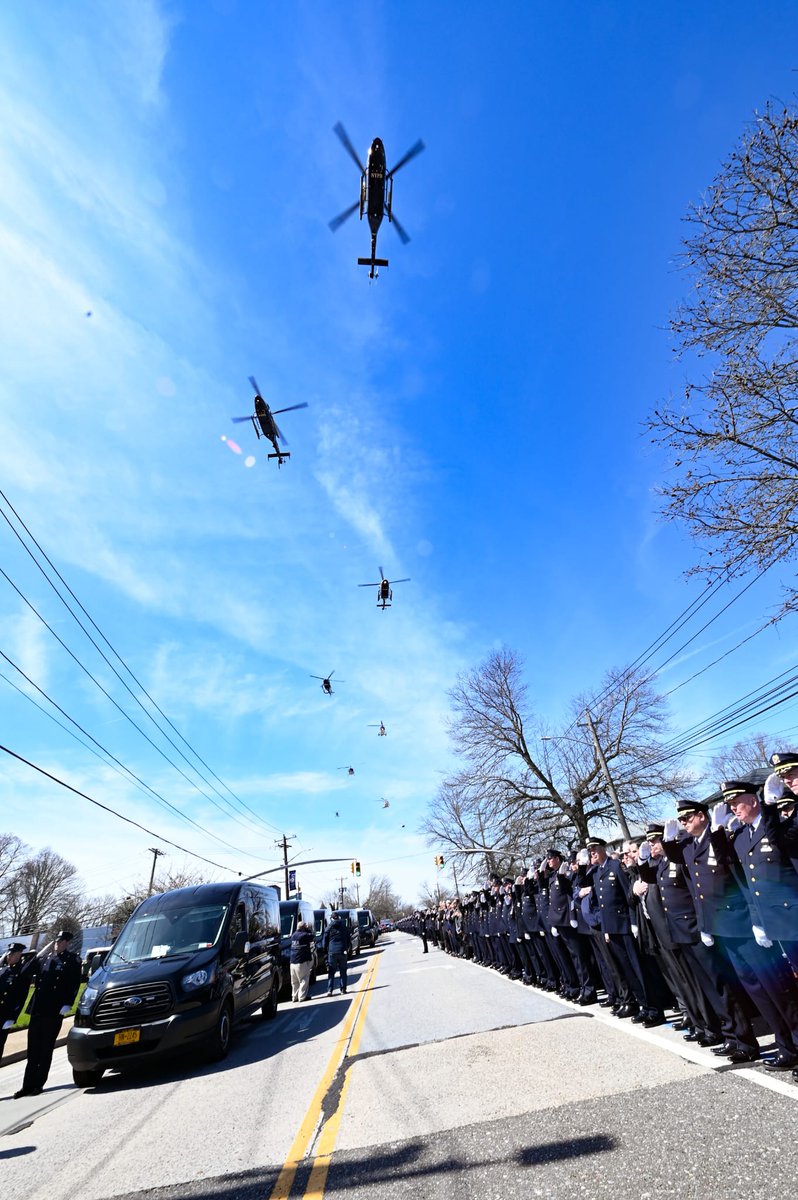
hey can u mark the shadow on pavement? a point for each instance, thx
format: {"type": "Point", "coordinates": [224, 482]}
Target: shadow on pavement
{"type": "Point", "coordinates": [18, 1152]}
{"type": "Point", "coordinates": [412, 1163]}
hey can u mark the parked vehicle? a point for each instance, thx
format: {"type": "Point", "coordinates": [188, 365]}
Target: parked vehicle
{"type": "Point", "coordinates": [187, 965]}
{"type": "Point", "coordinates": [369, 929]}
{"type": "Point", "coordinates": [321, 919]}
{"type": "Point", "coordinates": [350, 915]}
{"type": "Point", "coordinates": [93, 961]}
{"type": "Point", "coordinates": [291, 913]}
{"type": "Point", "coordinates": [387, 925]}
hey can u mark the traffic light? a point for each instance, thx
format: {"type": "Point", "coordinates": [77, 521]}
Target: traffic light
{"type": "Point", "coordinates": [438, 860]}
{"type": "Point", "coordinates": [352, 868]}
{"type": "Point", "coordinates": [357, 869]}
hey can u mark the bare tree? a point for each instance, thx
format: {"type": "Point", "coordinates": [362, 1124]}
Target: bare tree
{"type": "Point", "coordinates": [735, 439]}
{"type": "Point", "coordinates": [520, 787]}
{"type": "Point", "coordinates": [166, 881]}
{"type": "Point", "coordinates": [43, 888]}
{"type": "Point", "coordinates": [739, 760]}
{"type": "Point", "coordinates": [431, 897]}
{"type": "Point", "coordinates": [381, 899]}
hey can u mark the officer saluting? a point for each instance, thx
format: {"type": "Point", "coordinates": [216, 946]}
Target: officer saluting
{"type": "Point", "coordinates": [57, 980]}
{"type": "Point", "coordinates": [13, 989]}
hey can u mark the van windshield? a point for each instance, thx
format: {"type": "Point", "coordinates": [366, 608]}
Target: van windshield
{"type": "Point", "coordinates": [363, 920]}
{"type": "Point", "coordinates": [287, 922]}
{"type": "Point", "coordinates": [168, 932]}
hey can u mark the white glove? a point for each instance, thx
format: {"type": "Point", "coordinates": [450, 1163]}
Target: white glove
{"type": "Point", "coordinates": [573, 923]}
{"type": "Point", "coordinates": [640, 887]}
{"type": "Point", "coordinates": [707, 939]}
{"type": "Point", "coordinates": [761, 937]}
{"type": "Point", "coordinates": [583, 858]}
{"type": "Point", "coordinates": [554, 932]}
{"type": "Point", "coordinates": [8, 1025]}
{"type": "Point", "coordinates": [644, 853]}
{"type": "Point", "coordinates": [530, 873]}
{"type": "Point", "coordinates": [65, 1011]}
{"type": "Point", "coordinates": [635, 931]}
{"type": "Point", "coordinates": [671, 833]}
{"type": "Point", "coordinates": [774, 788]}
{"type": "Point", "coordinates": [585, 891]}
{"type": "Point", "coordinates": [563, 868]}
{"type": "Point", "coordinates": [720, 815]}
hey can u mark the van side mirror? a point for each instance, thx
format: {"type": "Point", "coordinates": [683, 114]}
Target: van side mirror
{"type": "Point", "coordinates": [240, 945]}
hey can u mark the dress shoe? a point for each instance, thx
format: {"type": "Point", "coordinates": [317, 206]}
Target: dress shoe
{"type": "Point", "coordinates": [588, 998]}
{"type": "Point", "coordinates": [653, 1019]}
{"type": "Point", "coordinates": [782, 1062]}
{"type": "Point", "coordinates": [692, 1036]}
{"type": "Point", "coordinates": [627, 1010]}
{"type": "Point", "coordinates": [725, 1049]}
{"type": "Point", "coordinates": [22, 1092]}
{"type": "Point", "coordinates": [639, 1018]}
{"type": "Point", "coordinates": [605, 1003]}
{"type": "Point", "coordinates": [743, 1056]}
{"type": "Point", "coordinates": [709, 1039]}
{"type": "Point", "coordinates": [681, 1025]}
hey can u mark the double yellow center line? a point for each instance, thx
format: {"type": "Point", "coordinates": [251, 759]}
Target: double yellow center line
{"type": "Point", "coordinates": [345, 1047]}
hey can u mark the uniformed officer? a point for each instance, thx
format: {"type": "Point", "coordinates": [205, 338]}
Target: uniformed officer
{"type": "Point", "coordinates": [14, 983]}
{"type": "Point", "coordinates": [56, 979]}
{"type": "Point", "coordinates": [563, 925]}
{"type": "Point", "coordinates": [772, 896]}
{"type": "Point", "coordinates": [612, 901]}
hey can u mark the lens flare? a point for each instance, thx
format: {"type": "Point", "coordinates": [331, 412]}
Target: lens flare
{"type": "Point", "coordinates": [234, 446]}
{"type": "Point", "coordinates": [249, 461]}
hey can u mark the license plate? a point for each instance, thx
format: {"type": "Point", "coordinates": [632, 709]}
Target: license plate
{"type": "Point", "coordinates": [126, 1036]}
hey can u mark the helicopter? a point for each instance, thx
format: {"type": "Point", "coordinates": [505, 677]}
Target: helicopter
{"type": "Point", "coordinates": [376, 194]}
{"type": "Point", "coordinates": [263, 422]}
{"type": "Point", "coordinates": [381, 727]}
{"type": "Point", "coordinates": [326, 685]}
{"type": "Point", "coordinates": [384, 593]}
{"type": "Point", "coordinates": [349, 770]}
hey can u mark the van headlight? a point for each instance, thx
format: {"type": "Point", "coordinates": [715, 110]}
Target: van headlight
{"type": "Point", "coordinates": [195, 979]}
{"type": "Point", "coordinates": [90, 994]}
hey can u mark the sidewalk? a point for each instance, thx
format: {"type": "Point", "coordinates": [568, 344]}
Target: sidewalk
{"type": "Point", "coordinates": [17, 1042]}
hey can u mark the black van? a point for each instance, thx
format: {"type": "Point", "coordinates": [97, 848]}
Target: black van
{"type": "Point", "coordinates": [186, 966]}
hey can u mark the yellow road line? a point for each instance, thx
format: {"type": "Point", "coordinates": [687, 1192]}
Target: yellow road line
{"type": "Point", "coordinates": [307, 1129]}
{"type": "Point", "coordinates": [329, 1131]}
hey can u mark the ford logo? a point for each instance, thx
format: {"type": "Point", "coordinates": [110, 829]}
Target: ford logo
{"type": "Point", "coordinates": [132, 1002]}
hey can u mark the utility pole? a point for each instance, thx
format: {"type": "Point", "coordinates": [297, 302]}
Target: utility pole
{"type": "Point", "coordinates": [284, 847]}
{"type": "Point", "coordinates": [456, 888]}
{"type": "Point", "coordinates": [156, 854]}
{"type": "Point", "coordinates": [341, 890]}
{"type": "Point", "coordinates": [610, 785]}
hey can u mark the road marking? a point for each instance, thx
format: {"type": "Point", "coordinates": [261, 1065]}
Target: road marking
{"type": "Point", "coordinates": [329, 1130]}
{"type": "Point", "coordinates": [307, 1130]}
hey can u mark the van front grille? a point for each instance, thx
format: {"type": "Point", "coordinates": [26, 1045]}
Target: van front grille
{"type": "Point", "coordinates": [132, 1005]}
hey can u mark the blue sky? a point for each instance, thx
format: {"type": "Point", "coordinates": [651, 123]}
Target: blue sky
{"type": "Point", "coordinates": [475, 415]}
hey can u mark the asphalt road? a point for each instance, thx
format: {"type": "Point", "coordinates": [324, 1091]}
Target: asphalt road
{"type": "Point", "coordinates": [431, 1078]}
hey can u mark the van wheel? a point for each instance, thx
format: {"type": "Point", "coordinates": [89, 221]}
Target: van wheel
{"type": "Point", "coordinates": [219, 1039]}
{"type": "Point", "coordinates": [83, 1079]}
{"type": "Point", "coordinates": [269, 1009]}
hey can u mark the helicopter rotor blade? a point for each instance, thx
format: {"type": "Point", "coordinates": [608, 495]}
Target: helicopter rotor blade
{"type": "Point", "coordinates": [338, 221]}
{"type": "Point", "coordinates": [412, 152]}
{"type": "Point", "coordinates": [290, 408]}
{"type": "Point", "coordinates": [368, 585]}
{"type": "Point", "coordinates": [280, 435]}
{"type": "Point", "coordinates": [238, 420]}
{"type": "Point", "coordinates": [382, 574]}
{"type": "Point", "coordinates": [343, 137]}
{"type": "Point", "coordinates": [393, 581]}
{"type": "Point", "coordinates": [254, 383]}
{"type": "Point", "coordinates": [400, 229]}
{"type": "Point", "coordinates": [331, 674]}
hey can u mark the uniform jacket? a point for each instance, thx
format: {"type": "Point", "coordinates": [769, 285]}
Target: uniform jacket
{"type": "Point", "coordinates": [668, 880]}
{"type": "Point", "coordinates": [529, 912]}
{"type": "Point", "coordinates": [14, 984]}
{"type": "Point", "coordinates": [712, 868]}
{"type": "Point", "coordinates": [56, 979]}
{"type": "Point", "coordinates": [560, 896]}
{"type": "Point", "coordinates": [772, 884]}
{"type": "Point", "coordinates": [337, 938]}
{"type": "Point", "coordinates": [612, 891]}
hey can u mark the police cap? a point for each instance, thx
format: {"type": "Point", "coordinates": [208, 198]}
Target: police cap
{"type": "Point", "coordinates": [784, 760]}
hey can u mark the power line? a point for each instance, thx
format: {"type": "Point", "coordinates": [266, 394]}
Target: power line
{"type": "Point", "coordinates": [114, 813]}
{"type": "Point", "coordinates": [157, 796]}
{"type": "Point", "coordinates": [119, 658]}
